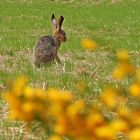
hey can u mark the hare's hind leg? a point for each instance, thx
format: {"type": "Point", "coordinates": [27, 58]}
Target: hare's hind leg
{"type": "Point", "coordinates": [57, 59]}
{"type": "Point", "coordinates": [36, 62]}
{"type": "Point", "coordinates": [37, 65]}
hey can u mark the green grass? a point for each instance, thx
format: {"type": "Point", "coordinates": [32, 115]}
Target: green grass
{"type": "Point", "coordinates": [114, 25]}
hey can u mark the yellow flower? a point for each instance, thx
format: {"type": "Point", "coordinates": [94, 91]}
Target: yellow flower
{"type": "Point", "coordinates": [109, 97]}
{"type": "Point", "coordinates": [55, 137]}
{"type": "Point", "coordinates": [129, 68]}
{"type": "Point", "coordinates": [59, 96]}
{"type": "Point", "coordinates": [40, 95]}
{"type": "Point", "coordinates": [61, 126]}
{"type": "Point", "coordinates": [94, 119]}
{"type": "Point", "coordinates": [119, 125]}
{"type": "Point", "coordinates": [134, 117]}
{"type": "Point", "coordinates": [28, 107]}
{"type": "Point", "coordinates": [124, 66]}
{"type": "Point", "coordinates": [75, 109]}
{"type": "Point", "coordinates": [123, 112]}
{"type": "Point", "coordinates": [26, 103]}
{"type": "Point", "coordinates": [89, 44]}
{"type": "Point", "coordinates": [60, 129]}
{"type": "Point", "coordinates": [123, 56]}
{"type": "Point", "coordinates": [134, 134]}
{"type": "Point", "coordinates": [55, 109]}
{"type": "Point", "coordinates": [28, 92]}
{"type": "Point", "coordinates": [135, 89]}
{"type": "Point", "coordinates": [14, 114]}
{"type": "Point", "coordinates": [104, 133]}
{"type": "Point", "coordinates": [119, 73]}
{"type": "Point", "coordinates": [18, 86]}
{"type": "Point", "coordinates": [83, 137]}
{"type": "Point", "coordinates": [12, 100]}
{"type": "Point", "coordinates": [122, 70]}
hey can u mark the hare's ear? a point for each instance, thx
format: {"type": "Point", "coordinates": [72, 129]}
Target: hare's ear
{"type": "Point", "coordinates": [60, 21]}
{"type": "Point", "coordinates": [54, 21]}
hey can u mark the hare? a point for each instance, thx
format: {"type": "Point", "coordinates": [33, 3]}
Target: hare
{"type": "Point", "coordinates": [46, 48]}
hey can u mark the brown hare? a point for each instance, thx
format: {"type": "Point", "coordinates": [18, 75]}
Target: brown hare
{"type": "Point", "coordinates": [46, 48]}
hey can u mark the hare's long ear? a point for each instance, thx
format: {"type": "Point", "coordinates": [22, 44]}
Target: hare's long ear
{"type": "Point", "coordinates": [54, 21]}
{"type": "Point", "coordinates": [60, 21]}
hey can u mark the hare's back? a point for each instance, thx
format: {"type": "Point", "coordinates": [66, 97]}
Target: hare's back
{"type": "Point", "coordinates": [45, 48]}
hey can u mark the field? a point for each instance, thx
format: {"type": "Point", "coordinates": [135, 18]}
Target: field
{"type": "Point", "coordinates": [113, 24]}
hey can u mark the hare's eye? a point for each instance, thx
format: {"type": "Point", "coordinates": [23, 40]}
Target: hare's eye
{"type": "Point", "coordinates": [64, 34]}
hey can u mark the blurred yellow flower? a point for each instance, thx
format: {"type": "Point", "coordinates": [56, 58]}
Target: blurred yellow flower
{"type": "Point", "coordinates": [55, 137]}
{"type": "Point", "coordinates": [18, 86]}
{"type": "Point", "coordinates": [93, 120]}
{"type": "Point", "coordinates": [124, 67]}
{"type": "Point", "coordinates": [119, 73]}
{"type": "Point", "coordinates": [119, 125]}
{"type": "Point", "coordinates": [59, 96]}
{"type": "Point", "coordinates": [40, 95]}
{"type": "Point", "coordinates": [28, 107]}
{"type": "Point", "coordinates": [109, 97]}
{"type": "Point", "coordinates": [104, 133]}
{"type": "Point", "coordinates": [134, 134]}
{"type": "Point", "coordinates": [123, 56]}
{"type": "Point", "coordinates": [89, 44]}
{"type": "Point", "coordinates": [135, 89]}
{"type": "Point", "coordinates": [28, 92]}
{"type": "Point", "coordinates": [122, 70]}
{"type": "Point", "coordinates": [26, 103]}
{"type": "Point", "coordinates": [134, 117]}
{"type": "Point", "coordinates": [61, 127]}
{"type": "Point", "coordinates": [75, 109]}
{"type": "Point", "coordinates": [123, 112]}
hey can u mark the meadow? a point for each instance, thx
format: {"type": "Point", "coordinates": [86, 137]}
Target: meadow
{"type": "Point", "coordinates": [113, 24]}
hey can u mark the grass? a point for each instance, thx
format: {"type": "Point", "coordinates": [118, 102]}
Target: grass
{"type": "Point", "coordinates": [113, 24]}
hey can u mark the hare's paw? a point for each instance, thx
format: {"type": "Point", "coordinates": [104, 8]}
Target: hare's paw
{"type": "Point", "coordinates": [58, 60]}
